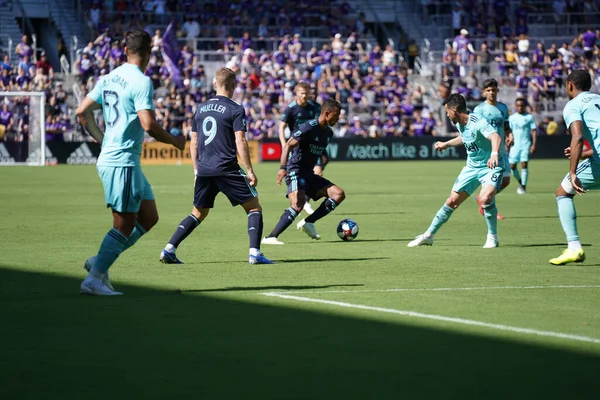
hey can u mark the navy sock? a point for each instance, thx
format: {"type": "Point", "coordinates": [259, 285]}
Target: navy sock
{"type": "Point", "coordinates": [184, 229]}
{"type": "Point", "coordinates": [288, 216]}
{"type": "Point", "coordinates": [255, 228]}
{"type": "Point", "coordinates": [327, 206]}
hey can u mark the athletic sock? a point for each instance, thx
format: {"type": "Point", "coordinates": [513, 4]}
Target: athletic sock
{"type": "Point", "coordinates": [184, 229]}
{"type": "Point", "coordinates": [286, 219]}
{"type": "Point", "coordinates": [327, 206]}
{"type": "Point", "coordinates": [255, 231]}
{"type": "Point", "coordinates": [568, 217]}
{"type": "Point", "coordinates": [524, 176]}
{"type": "Point", "coordinates": [441, 217]}
{"type": "Point", "coordinates": [111, 247]}
{"type": "Point", "coordinates": [515, 173]}
{"type": "Point", "coordinates": [138, 232]}
{"type": "Point", "coordinates": [491, 217]}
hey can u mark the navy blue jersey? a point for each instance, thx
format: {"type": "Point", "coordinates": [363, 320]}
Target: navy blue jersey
{"type": "Point", "coordinates": [295, 115]}
{"type": "Point", "coordinates": [313, 140]}
{"type": "Point", "coordinates": [216, 122]}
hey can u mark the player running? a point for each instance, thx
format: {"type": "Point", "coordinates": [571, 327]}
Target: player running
{"type": "Point", "coordinates": [221, 123]}
{"type": "Point", "coordinates": [484, 167]}
{"type": "Point", "coordinates": [125, 96]}
{"type": "Point", "coordinates": [496, 113]}
{"type": "Point", "coordinates": [524, 128]}
{"type": "Point", "coordinates": [582, 117]}
{"type": "Point", "coordinates": [307, 144]}
{"type": "Point", "coordinates": [295, 114]}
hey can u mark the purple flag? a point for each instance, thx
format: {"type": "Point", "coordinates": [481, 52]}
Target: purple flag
{"type": "Point", "coordinates": [170, 53]}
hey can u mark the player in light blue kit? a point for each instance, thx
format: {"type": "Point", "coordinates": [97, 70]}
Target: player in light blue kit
{"type": "Point", "coordinates": [125, 96]}
{"type": "Point", "coordinates": [484, 167]}
{"type": "Point", "coordinates": [524, 129]}
{"type": "Point", "coordinates": [582, 117]}
{"type": "Point", "coordinates": [496, 113]}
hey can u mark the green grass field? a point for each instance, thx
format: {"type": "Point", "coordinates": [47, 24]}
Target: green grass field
{"type": "Point", "coordinates": [360, 320]}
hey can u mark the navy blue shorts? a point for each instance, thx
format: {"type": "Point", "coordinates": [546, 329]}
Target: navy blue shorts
{"type": "Point", "coordinates": [234, 185]}
{"type": "Point", "coordinates": [308, 182]}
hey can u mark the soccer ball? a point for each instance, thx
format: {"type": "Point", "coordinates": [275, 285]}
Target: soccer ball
{"type": "Point", "coordinates": [347, 230]}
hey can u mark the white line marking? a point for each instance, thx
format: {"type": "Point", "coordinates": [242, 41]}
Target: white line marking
{"type": "Point", "coordinates": [460, 321]}
{"type": "Point", "coordinates": [447, 289]}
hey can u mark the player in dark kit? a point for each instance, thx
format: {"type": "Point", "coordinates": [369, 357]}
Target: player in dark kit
{"type": "Point", "coordinates": [218, 131]}
{"type": "Point", "coordinates": [295, 114]}
{"type": "Point", "coordinates": [307, 144]}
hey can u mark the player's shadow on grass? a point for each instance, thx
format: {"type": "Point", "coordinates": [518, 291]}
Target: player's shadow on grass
{"type": "Point", "coordinates": [266, 288]}
{"type": "Point", "coordinates": [347, 259]}
{"type": "Point", "coordinates": [374, 213]}
{"type": "Point", "coordinates": [155, 344]}
{"type": "Point", "coordinates": [550, 216]}
{"type": "Point", "coordinates": [361, 240]}
{"type": "Point", "coordinates": [543, 245]}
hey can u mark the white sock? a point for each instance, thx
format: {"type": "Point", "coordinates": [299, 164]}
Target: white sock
{"type": "Point", "coordinates": [428, 235]}
{"type": "Point", "coordinates": [254, 252]}
{"type": "Point", "coordinates": [575, 245]}
{"type": "Point", "coordinates": [170, 248]}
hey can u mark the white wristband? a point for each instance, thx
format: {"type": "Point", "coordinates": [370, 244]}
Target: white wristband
{"type": "Point", "coordinates": [195, 172]}
{"type": "Point", "coordinates": [494, 153]}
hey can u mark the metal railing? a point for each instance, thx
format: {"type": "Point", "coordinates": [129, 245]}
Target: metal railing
{"type": "Point", "coordinates": [8, 48]}
{"type": "Point", "coordinates": [64, 65]}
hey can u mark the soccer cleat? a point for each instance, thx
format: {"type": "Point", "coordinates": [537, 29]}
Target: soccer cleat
{"type": "Point", "coordinates": [309, 229]}
{"type": "Point", "coordinates": [568, 256]}
{"type": "Point", "coordinates": [95, 287]}
{"type": "Point", "coordinates": [491, 242]}
{"type": "Point", "coordinates": [421, 240]}
{"type": "Point", "coordinates": [500, 216]}
{"type": "Point", "coordinates": [521, 190]}
{"type": "Point", "coordinates": [88, 266]}
{"type": "Point", "coordinates": [271, 240]}
{"type": "Point", "coordinates": [169, 258]}
{"type": "Point", "coordinates": [259, 259]}
{"type": "Point", "coordinates": [308, 208]}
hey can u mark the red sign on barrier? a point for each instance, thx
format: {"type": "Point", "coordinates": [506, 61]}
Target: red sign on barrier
{"type": "Point", "coordinates": [271, 151]}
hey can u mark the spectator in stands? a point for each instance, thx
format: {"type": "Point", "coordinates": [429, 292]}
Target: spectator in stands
{"type": "Point", "coordinates": [191, 30]}
{"type": "Point", "coordinates": [413, 53]}
{"type": "Point", "coordinates": [23, 49]}
{"type": "Point", "coordinates": [7, 121]}
{"type": "Point", "coordinates": [559, 7]}
{"type": "Point", "coordinates": [6, 63]}
{"type": "Point", "coordinates": [44, 66]}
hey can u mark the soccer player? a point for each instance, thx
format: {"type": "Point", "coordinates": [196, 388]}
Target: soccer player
{"type": "Point", "coordinates": [582, 117]}
{"type": "Point", "coordinates": [218, 131]}
{"type": "Point", "coordinates": [484, 167]}
{"type": "Point", "coordinates": [524, 128]}
{"type": "Point", "coordinates": [496, 113]}
{"type": "Point", "coordinates": [307, 144]}
{"type": "Point", "coordinates": [295, 114]}
{"type": "Point", "coordinates": [125, 96]}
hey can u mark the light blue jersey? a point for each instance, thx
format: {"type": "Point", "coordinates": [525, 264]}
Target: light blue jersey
{"type": "Point", "coordinates": [496, 115]}
{"type": "Point", "coordinates": [586, 108]}
{"type": "Point", "coordinates": [521, 126]}
{"type": "Point", "coordinates": [475, 138]}
{"type": "Point", "coordinates": [123, 93]}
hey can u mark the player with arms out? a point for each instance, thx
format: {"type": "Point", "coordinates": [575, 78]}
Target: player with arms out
{"type": "Point", "coordinates": [484, 167]}
{"type": "Point", "coordinates": [295, 114]}
{"type": "Point", "coordinates": [125, 96]}
{"type": "Point", "coordinates": [496, 113]}
{"type": "Point", "coordinates": [524, 128]}
{"type": "Point", "coordinates": [307, 144]}
{"type": "Point", "coordinates": [218, 131]}
{"type": "Point", "coordinates": [582, 117]}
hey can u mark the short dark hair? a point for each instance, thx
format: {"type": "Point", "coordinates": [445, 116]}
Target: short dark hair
{"type": "Point", "coordinates": [331, 105]}
{"type": "Point", "coordinates": [490, 83]}
{"type": "Point", "coordinates": [521, 100]}
{"type": "Point", "coordinates": [581, 79]}
{"type": "Point", "coordinates": [456, 101]}
{"type": "Point", "coordinates": [137, 41]}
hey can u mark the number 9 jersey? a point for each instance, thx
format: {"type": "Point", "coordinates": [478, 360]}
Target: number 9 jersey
{"type": "Point", "coordinates": [122, 93]}
{"type": "Point", "coordinates": [216, 122]}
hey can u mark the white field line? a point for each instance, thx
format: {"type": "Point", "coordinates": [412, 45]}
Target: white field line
{"type": "Point", "coordinates": [447, 289]}
{"type": "Point", "coordinates": [434, 317]}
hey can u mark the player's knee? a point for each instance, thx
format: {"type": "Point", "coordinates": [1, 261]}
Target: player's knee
{"type": "Point", "coordinates": [505, 182]}
{"type": "Point", "coordinates": [339, 195]}
{"type": "Point", "coordinates": [486, 198]}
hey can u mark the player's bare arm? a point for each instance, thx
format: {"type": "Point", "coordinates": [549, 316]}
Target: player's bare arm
{"type": "Point", "coordinates": [242, 149]}
{"type": "Point", "coordinates": [457, 141]}
{"type": "Point", "coordinates": [496, 143]}
{"type": "Point", "coordinates": [194, 150]}
{"type": "Point", "coordinates": [533, 141]}
{"type": "Point", "coordinates": [287, 147]}
{"type": "Point", "coordinates": [509, 135]}
{"type": "Point", "coordinates": [150, 125]}
{"type": "Point", "coordinates": [85, 113]}
{"type": "Point", "coordinates": [282, 126]}
{"type": "Point", "coordinates": [576, 150]}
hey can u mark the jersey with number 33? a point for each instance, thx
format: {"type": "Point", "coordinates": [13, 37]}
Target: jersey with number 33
{"type": "Point", "coordinates": [122, 93]}
{"type": "Point", "coordinates": [216, 122]}
{"type": "Point", "coordinates": [586, 108]}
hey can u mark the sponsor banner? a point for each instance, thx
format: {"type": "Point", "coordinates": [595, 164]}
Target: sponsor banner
{"type": "Point", "coordinates": [412, 148]}
{"type": "Point", "coordinates": [156, 153]}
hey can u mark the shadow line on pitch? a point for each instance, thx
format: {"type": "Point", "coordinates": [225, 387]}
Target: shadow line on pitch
{"type": "Point", "coordinates": [262, 288]}
{"type": "Point", "coordinates": [301, 260]}
{"type": "Point", "coordinates": [550, 216]}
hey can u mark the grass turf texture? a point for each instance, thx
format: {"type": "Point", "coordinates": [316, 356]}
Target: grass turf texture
{"type": "Point", "coordinates": [220, 337]}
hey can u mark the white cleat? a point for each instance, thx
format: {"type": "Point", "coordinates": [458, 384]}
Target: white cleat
{"type": "Point", "coordinates": [88, 266]}
{"type": "Point", "coordinates": [421, 240]}
{"type": "Point", "coordinates": [309, 229]}
{"type": "Point", "coordinates": [308, 208]}
{"type": "Point", "coordinates": [271, 240]}
{"type": "Point", "coordinates": [491, 242]}
{"type": "Point", "coordinates": [94, 286]}
{"type": "Point", "coordinates": [521, 190]}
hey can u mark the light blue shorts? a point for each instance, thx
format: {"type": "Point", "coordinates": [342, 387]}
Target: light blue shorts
{"type": "Point", "coordinates": [588, 172]}
{"type": "Point", "coordinates": [518, 154]}
{"type": "Point", "coordinates": [124, 188]}
{"type": "Point", "coordinates": [470, 178]}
